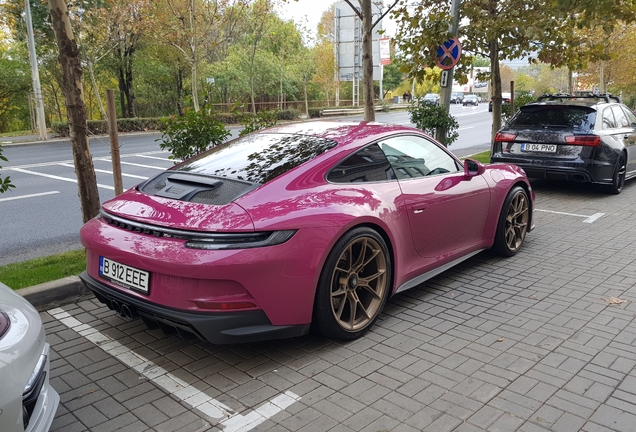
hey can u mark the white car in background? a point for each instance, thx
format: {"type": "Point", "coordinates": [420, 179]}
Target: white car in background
{"type": "Point", "coordinates": [27, 401]}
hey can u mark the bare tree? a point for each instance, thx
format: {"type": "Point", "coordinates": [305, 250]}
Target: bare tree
{"type": "Point", "coordinates": [366, 15]}
{"type": "Point", "coordinates": [76, 108]}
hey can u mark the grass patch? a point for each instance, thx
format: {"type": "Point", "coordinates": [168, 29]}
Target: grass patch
{"type": "Point", "coordinates": [17, 133]}
{"type": "Point", "coordinates": [483, 157]}
{"type": "Point", "coordinates": [40, 270]}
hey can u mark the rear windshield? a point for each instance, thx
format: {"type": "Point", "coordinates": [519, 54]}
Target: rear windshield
{"type": "Point", "coordinates": [258, 158]}
{"type": "Point", "coordinates": [566, 117]}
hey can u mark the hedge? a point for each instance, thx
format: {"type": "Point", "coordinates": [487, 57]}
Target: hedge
{"type": "Point", "coordinates": [100, 127]}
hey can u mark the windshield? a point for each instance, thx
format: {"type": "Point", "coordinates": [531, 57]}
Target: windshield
{"type": "Point", "coordinates": [570, 117]}
{"type": "Point", "coordinates": [258, 158]}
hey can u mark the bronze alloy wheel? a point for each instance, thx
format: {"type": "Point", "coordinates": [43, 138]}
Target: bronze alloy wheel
{"type": "Point", "coordinates": [517, 221]}
{"type": "Point", "coordinates": [359, 284]}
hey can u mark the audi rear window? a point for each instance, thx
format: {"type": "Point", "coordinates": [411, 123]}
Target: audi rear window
{"type": "Point", "coordinates": [258, 158]}
{"type": "Point", "coordinates": [545, 116]}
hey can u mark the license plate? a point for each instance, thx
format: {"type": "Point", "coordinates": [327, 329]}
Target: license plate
{"type": "Point", "coordinates": [541, 148]}
{"type": "Point", "coordinates": [124, 275]}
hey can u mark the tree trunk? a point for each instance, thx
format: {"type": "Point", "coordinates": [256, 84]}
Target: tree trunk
{"type": "Point", "coordinates": [367, 61]}
{"type": "Point", "coordinates": [195, 91]}
{"type": "Point", "coordinates": [306, 100]}
{"type": "Point", "coordinates": [179, 91]}
{"type": "Point", "coordinates": [72, 78]}
{"type": "Point", "coordinates": [102, 112]}
{"type": "Point", "coordinates": [129, 83]}
{"type": "Point", "coordinates": [495, 80]}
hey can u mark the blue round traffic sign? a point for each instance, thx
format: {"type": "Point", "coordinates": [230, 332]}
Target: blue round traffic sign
{"type": "Point", "coordinates": [448, 53]}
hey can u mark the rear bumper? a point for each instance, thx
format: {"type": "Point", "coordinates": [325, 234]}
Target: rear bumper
{"type": "Point", "coordinates": [215, 327]}
{"type": "Point", "coordinates": [579, 170]}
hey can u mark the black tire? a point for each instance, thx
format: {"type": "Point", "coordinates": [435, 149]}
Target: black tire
{"type": "Point", "coordinates": [618, 178]}
{"type": "Point", "coordinates": [353, 286]}
{"type": "Point", "coordinates": [513, 222]}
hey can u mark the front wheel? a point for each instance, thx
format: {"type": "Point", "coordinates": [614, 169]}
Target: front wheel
{"type": "Point", "coordinates": [353, 286]}
{"type": "Point", "coordinates": [513, 222]}
{"type": "Point", "coordinates": [618, 179]}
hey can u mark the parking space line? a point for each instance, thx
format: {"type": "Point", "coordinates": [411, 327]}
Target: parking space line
{"type": "Point", "coordinates": [230, 419]}
{"type": "Point", "coordinates": [134, 164]}
{"type": "Point", "coordinates": [588, 219]}
{"type": "Point", "coordinates": [153, 157]}
{"type": "Point", "coordinates": [51, 176]}
{"type": "Point", "coordinates": [29, 196]}
{"type": "Point", "coordinates": [107, 172]}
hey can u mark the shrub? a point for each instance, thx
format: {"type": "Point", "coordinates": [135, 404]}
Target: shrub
{"type": "Point", "coordinates": [5, 184]}
{"type": "Point", "coordinates": [288, 114]}
{"type": "Point", "coordinates": [434, 119]}
{"type": "Point", "coordinates": [100, 127]}
{"type": "Point", "coordinates": [261, 120]}
{"type": "Point", "coordinates": [520, 100]}
{"type": "Point", "coordinates": [314, 112]}
{"type": "Point", "coordinates": [192, 134]}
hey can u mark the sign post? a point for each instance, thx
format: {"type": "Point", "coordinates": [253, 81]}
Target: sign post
{"type": "Point", "coordinates": [451, 51]}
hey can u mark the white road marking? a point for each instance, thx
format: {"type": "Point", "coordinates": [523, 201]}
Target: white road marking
{"type": "Point", "coordinates": [43, 164]}
{"type": "Point", "coordinates": [136, 164]}
{"type": "Point", "coordinates": [155, 157]}
{"type": "Point", "coordinates": [588, 219]}
{"type": "Point", "coordinates": [464, 128]}
{"type": "Point", "coordinates": [107, 172]}
{"type": "Point", "coordinates": [58, 177]}
{"type": "Point", "coordinates": [29, 196]}
{"type": "Point", "coordinates": [229, 419]}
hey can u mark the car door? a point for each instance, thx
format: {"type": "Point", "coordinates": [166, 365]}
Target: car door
{"type": "Point", "coordinates": [447, 211]}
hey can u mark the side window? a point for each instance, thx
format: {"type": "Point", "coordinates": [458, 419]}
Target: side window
{"type": "Point", "coordinates": [608, 119]}
{"type": "Point", "coordinates": [631, 118]}
{"type": "Point", "coordinates": [619, 115]}
{"type": "Point", "coordinates": [414, 156]}
{"type": "Point", "coordinates": [366, 165]}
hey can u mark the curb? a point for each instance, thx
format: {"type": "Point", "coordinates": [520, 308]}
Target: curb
{"type": "Point", "coordinates": [55, 293]}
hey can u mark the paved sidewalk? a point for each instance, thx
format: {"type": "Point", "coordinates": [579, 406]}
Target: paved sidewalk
{"type": "Point", "coordinates": [543, 341]}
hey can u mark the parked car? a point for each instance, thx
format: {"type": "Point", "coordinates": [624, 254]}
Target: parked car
{"type": "Point", "coordinates": [431, 98]}
{"type": "Point", "coordinates": [307, 225]}
{"type": "Point", "coordinates": [505, 99]}
{"type": "Point", "coordinates": [457, 97]}
{"type": "Point", "coordinates": [470, 100]}
{"type": "Point", "coordinates": [580, 138]}
{"type": "Point", "coordinates": [27, 400]}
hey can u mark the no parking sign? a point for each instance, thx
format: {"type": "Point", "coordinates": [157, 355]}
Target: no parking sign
{"type": "Point", "coordinates": [448, 53]}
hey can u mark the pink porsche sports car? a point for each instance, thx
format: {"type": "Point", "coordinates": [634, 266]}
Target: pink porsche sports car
{"type": "Point", "coordinates": [305, 226]}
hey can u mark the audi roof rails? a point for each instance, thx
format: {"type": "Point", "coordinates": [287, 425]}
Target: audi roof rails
{"type": "Point", "coordinates": [607, 97]}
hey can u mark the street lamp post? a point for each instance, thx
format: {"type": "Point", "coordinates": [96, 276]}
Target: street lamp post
{"type": "Point", "coordinates": [35, 74]}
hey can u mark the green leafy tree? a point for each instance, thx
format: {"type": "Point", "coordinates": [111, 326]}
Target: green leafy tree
{"type": "Point", "coordinates": [504, 30]}
{"type": "Point", "coordinates": [15, 83]}
{"type": "Point", "coordinates": [195, 132]}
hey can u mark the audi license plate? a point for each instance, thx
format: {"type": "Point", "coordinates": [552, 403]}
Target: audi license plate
{"type": "Point", "coordinates": [541, 148]}
{"type": "Point", "coordinates": [124, 275]}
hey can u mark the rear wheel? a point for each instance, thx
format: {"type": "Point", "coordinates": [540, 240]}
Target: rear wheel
{"type": "Point", "coordinates": [353, 286]}
{"type": "Point", "coordinates": [513, 222]}
{"type": "Point", "coordinates": [618, 179]}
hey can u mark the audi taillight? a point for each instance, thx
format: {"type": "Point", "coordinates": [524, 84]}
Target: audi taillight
{"type": "Point", "coordinates": [583, 140]}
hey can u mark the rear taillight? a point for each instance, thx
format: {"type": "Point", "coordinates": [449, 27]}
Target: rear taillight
{"type": "Point", "coordinates": [583, 140]}
{"type": "Point", "coordinates": [505, 137]}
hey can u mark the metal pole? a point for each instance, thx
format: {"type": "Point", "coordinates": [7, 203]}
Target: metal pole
{"type": "Point", "coordinates": [114, 142]}
{"type": "Point", "coordinates": [446, 91]}
{"type": "Point", "coordinates": [35, 75]}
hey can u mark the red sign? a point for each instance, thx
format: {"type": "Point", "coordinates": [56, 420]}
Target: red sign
{"type": "Point", "coordinates": [448, 54]}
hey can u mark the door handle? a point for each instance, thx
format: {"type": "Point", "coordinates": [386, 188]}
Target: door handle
{"type": "Point", "coordinates": [419, 208]}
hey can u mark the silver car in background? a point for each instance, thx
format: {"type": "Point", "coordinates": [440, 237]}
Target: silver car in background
{"type": "Point", "coordinates": [27, 401]}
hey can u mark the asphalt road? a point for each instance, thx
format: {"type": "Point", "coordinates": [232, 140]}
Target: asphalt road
{"type": "Point", "coordinates": [42, 215]}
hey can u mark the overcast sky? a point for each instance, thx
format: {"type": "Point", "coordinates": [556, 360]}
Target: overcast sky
{"type": "Point", "coordinates": [313, 10]}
